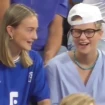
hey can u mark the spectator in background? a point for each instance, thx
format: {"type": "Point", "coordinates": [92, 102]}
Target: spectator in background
{"type": "Point", "coordinates": [22, 74]}
{"type": "Point", "coordinates": [73, 2]}
{"type": "Point", "coordinates": [78, 99]}
{"type": "Point", "coordinates": [81, 70]}
{"type": "Point", "coordinates": [50, 16]}
{"type": "Point", "coordinates": [4, 4]}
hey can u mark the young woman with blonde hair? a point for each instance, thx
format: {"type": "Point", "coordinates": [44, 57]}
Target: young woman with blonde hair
{"type": "Point", "coordinates": [22, 76]}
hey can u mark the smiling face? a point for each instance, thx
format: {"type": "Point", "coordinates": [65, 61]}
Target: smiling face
{"type": "Point", "coordinates": [25, 33]}
{"type": "Point", "coordinates": [84, 44]}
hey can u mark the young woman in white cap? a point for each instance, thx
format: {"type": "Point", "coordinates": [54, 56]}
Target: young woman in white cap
{"type": "Point", "coordinates": [81, 70]}
{"type": "Point", "coordinates": [101, 5]}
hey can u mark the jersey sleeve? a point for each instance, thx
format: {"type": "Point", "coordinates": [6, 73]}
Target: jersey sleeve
{"type": "Point", "coordinates": [63, 8]}
{"type": "Point", "coordinates": [54, 84]}
{"type": "Point", "coordinates": [40, 89]}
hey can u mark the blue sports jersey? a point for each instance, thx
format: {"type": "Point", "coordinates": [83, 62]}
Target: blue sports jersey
{"type": "Point", "coordinates": [18, 85]}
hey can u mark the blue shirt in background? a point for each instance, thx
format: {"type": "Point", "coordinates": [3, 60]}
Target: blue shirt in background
{"type": "Point", "coordinates": [46, 10]}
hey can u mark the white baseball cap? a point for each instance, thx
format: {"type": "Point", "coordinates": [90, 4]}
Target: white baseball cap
{"type": "Point", "coordinates": [89, 14]}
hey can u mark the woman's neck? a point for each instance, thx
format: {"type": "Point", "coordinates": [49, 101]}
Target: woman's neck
{"type": "Point", "coordinates": [86, 59]}
{"type": "Point", "coordinates": [15, 51]}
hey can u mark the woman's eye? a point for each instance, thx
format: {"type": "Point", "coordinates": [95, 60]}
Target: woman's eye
{"type": "Point", "coordinates": [89, 32]}
{"type": "Point", "coordinates": [30, 29]}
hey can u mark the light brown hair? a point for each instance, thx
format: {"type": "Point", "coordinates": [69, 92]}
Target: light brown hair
{"type": "Point", "coordinates": [13, 17]}
{"type": "Point", "coordinates": [78, 99]}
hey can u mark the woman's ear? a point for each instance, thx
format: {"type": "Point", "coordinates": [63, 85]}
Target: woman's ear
{"type": "Point", "coordinates": [101, 34]}
{"type": "Point", "coordinates": [10, 31]}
